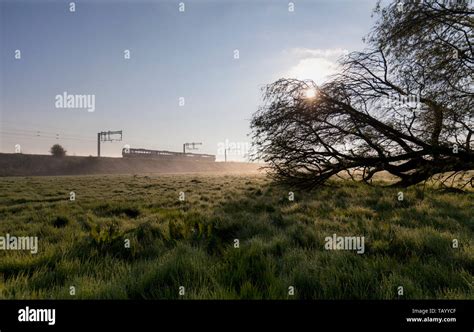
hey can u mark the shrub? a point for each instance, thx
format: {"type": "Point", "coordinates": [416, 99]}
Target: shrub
{"type": "Point", "coordinates": [57, 151]}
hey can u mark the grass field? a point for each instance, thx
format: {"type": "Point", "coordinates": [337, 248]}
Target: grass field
{"type": "Point", "coordinates": [190, 243]}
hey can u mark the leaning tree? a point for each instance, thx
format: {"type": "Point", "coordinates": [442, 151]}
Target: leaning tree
{"type": "Point", "coordinates": [404, 105]}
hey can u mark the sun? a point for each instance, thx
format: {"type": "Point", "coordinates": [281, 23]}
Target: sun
{"type": "Point", "coordinates": [310, 93]}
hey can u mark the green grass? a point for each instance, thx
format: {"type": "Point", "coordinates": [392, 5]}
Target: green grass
{"type": "Point", "coordinates": [191, 243]}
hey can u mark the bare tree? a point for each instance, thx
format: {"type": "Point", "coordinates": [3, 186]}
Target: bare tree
{"type": "Point", "coordinates": [404, 105]}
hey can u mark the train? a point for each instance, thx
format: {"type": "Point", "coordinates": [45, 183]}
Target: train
{"type": "Point", "coordinates": [167, 155]}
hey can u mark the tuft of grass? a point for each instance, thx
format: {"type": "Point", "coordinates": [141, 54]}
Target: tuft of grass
{"type": "Point", "coordinates": [60, 221]}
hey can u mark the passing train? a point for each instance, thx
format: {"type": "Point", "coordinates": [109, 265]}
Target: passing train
{"type": "Point", "coordinates": [166, 155]}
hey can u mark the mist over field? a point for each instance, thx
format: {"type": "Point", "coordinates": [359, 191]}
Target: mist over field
{"type": "Point", "coordinates": [43, 165]}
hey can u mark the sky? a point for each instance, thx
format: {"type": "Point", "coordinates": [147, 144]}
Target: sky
{"type": "Point", "coordinates": [191, 76]}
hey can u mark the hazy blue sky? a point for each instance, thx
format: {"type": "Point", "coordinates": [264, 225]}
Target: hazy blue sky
{"type": "Point", "coordinates": [174, 54]}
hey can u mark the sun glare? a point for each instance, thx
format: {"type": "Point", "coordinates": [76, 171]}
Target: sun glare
{"type": "Point", "coordinates": [310, 93]}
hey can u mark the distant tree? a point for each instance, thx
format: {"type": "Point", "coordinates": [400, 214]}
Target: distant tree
{"type": "Point", "coordinates": [405, 105]}
{"type": "Point", "coordinates": [58, 151]}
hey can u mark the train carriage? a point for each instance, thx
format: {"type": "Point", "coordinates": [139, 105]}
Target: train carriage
{"type": "Point", "coordinates": [167, 155]}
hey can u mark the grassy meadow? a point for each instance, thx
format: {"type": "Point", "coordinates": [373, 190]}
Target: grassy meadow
{"type": "Point", "coordinates": [190, 243]}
